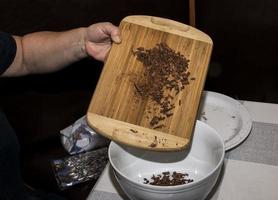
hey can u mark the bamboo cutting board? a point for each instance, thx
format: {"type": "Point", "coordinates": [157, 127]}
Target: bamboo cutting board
{"type": "Point", "coordinates": [117, 111]}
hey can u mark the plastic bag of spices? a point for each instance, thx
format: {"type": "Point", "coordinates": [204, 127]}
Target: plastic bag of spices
{"type": "Point", "coordinates": [79, 137]}
{"type": "Point", "coordinates": [79, 168]}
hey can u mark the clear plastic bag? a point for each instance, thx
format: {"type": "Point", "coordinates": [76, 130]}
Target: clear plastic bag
{"type": "Point", "coordinates": [79, 137]}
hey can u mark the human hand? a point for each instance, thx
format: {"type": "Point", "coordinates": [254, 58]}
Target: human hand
{"type": "Point", "coordinates": [99, 38]}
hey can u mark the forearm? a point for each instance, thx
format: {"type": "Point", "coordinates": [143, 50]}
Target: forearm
{"type": "Point", "coordinates": [44, 52]}
{"type": "Point", "coordinates": [51, 51]}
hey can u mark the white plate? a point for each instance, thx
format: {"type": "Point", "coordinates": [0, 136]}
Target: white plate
{"type": "Point", "coordinates": [227, 115]}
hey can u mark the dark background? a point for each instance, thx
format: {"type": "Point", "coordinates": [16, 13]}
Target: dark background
{"type": "Point", "coordinates": [243, 65]}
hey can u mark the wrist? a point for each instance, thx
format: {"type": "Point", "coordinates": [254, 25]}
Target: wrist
{"type": "Point", "coordinates": [82, 42]}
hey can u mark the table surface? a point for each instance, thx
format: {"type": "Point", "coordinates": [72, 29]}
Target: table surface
{"type": "Point", "coordinates": [250, 170]}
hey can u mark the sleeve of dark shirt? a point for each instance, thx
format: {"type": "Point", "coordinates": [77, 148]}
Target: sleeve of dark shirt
{"type": "Point", "coordinates": [7, 51]}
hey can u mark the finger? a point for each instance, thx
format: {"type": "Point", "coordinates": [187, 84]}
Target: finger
{"type": "Point", "coordinates": [112, 31]}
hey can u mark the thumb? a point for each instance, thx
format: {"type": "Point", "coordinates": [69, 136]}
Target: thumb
{"type": "Point", "coordinates": [116, 38]}
{"type": "Point", "coordinates": [113, 31]}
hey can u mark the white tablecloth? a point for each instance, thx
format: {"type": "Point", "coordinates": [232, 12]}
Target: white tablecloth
{"type": "Point", "coordinates": [250, 170]}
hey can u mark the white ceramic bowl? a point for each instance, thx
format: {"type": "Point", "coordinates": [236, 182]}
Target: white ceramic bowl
{"type": "Point", "coordinates": [202, 161]}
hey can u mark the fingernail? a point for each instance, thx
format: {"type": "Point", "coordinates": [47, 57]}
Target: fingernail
{"type": "Point", "coordinates": [117, 39]}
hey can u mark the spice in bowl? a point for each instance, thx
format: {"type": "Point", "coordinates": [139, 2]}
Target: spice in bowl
{"type": "Point", "coordinates": [168, 179]}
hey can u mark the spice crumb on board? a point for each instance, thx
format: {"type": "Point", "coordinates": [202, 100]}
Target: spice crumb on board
{"type": "Point", "coordinates": [159, 126]}
{"type": "Point", "coordinates": [165, 75]}
{"type": "Point", "coordinates": [134, 131]}
{"type": "Point", "coordinates": [154, 143]}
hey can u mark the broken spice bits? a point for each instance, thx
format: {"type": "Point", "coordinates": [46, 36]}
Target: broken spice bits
{"type": "Point", "coordinates": [168, 179]}
{"type": "Point", "coordinates": [165, 75]}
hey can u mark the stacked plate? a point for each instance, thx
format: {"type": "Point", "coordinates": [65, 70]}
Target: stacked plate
{"type": "Point", "coordinates": [227, 115]}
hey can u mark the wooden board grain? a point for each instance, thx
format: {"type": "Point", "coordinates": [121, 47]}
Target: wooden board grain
{"type": "Point", "coordinates": [115, 106]}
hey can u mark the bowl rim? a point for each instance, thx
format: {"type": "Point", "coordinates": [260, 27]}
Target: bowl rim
{"type": "Point", "coordinates": [174, 187]}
